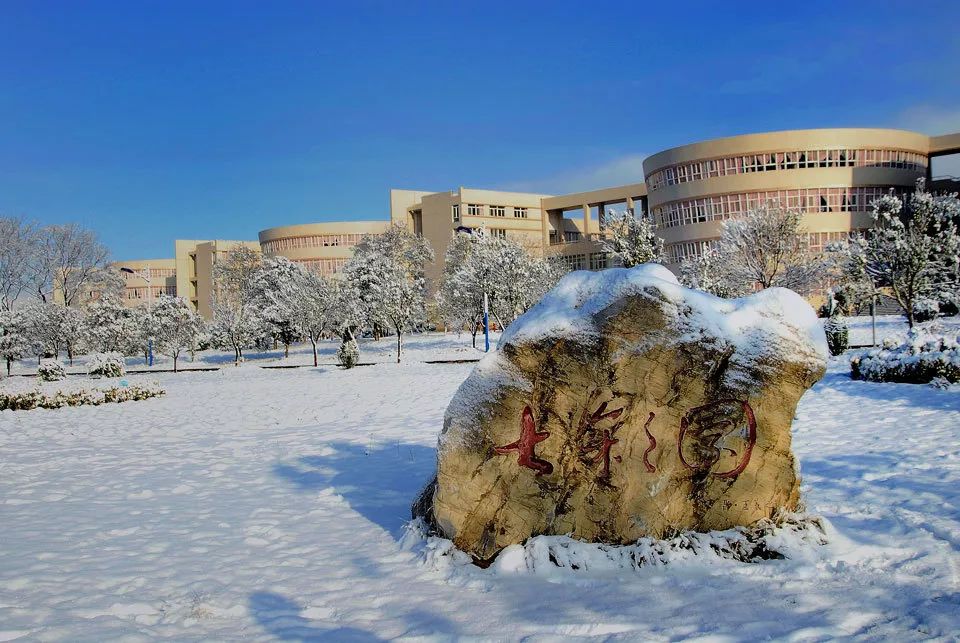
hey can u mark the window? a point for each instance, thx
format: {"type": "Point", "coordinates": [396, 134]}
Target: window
{"type": "Point", "coordinates": [498, 211]}
{"type": "Point", "coordinates": [498, 233]}
{"type": "Point", "coordinates": [598, 260]}
{"type": "Point", "coordinates": [474, 210]}
{"type": "Point", "coordinates": [455, 209]}
{"type": "Point", "coordinates": [576, 262]}
{"type": "Point", "coordinates": [520, 213]}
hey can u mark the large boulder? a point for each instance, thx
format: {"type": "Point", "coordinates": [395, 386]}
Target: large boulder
{"type": "Point", "coordinates": [625, 405]}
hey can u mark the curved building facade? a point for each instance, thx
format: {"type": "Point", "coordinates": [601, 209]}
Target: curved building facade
{"type": "Point", "coordinates": [831, 175]}
{"type": "Point", "coordinates": [321, 247]}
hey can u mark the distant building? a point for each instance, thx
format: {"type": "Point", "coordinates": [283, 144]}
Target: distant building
{"type": "Point", "coordinates": [831, 175]}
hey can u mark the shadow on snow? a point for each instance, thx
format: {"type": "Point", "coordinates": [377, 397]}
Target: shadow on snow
{"type": "Point", "coordinates": [379, 481]}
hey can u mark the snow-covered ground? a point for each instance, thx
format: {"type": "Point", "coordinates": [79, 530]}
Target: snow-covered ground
{"type": "Point", "coordinates": [269, 504]}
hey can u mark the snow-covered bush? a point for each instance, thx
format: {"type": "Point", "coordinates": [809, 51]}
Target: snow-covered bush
{"type": "Point", "coordinates": [925, 310]}
{"type": "Point", "coordinates": [37, 399]}
{"type": "Point", "coordinates": [51, 371]}
{"type": "Point", "coordinates": [106, 365]}
{"type": "Point", "coordinates": [919, 360]}
{"type": "Point", "coordinates": [941, 383]}
{"type": "Point", "coordinates": [348, 353]}
{"type": "Point", "coordinates": [838, 335]}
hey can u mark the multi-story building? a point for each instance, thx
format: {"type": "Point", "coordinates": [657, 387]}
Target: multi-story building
{"type": "Point", "coordinates": [194, 263]}
{"type": "Point", "coordinates": [321, 247]}
{"type": "Point", "coordinates": [831, 175]}
{"type": "Point", "coordinates": [146, 280]}
{"type": "Point", "coordinates": [438, 215]}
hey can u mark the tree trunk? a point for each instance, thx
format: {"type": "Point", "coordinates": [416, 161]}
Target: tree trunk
{"type": "Point", "coordinates": [175, 355]}
{"type": "Point", "coordinates": [9, 362]}
{"type": "Point", "coordinates": [286, 350]}
{"type": "Point", "coordinates": [399, 345]}
{"type": "Point", "coordinates": [70, 353]}
{"type": "Point", "coordinates": [314, 342]}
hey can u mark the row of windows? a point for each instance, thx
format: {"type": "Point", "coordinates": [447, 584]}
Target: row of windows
{"type": "Point", "coordinates": [477, 210]}
{"type": "Point", "coordinates": [816, 242]}
{"type": "Point", "coordinates": [312, 241]}
{"type": "Point", "coordinates": [697, 170]}
{"type": "Point", "coordinates": [726, 206]}
{"type": "Point", "coordinates": [593, 261]}
{"type": "Point", "coordinates": [142, 292]}
{"type": "Point", "coordinates": [568, 236]}
{"type": "Point", "coordinates": [324, 267]}
{"type": "Point", "coordinates": [154, 273]}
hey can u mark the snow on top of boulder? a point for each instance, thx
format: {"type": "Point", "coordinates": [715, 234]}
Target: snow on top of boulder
{"type": "Point", "coordinates": [775, 320]}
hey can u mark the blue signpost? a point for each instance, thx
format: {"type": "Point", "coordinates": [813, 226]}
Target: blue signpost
{"type": "Point", "coordinates": [150, 352]}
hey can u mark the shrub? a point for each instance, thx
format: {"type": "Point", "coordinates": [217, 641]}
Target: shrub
{"type": "Point", "coordinates": [838, 336]}
{"type": "Point", "coordinates": [51, 372]}
{"type": "Point", "coordinates": [349, 353]}
{"type": "Point", "coordinates": [919, 360]}
{"type": "Point", "coordinates": [925, 310]}
{"type": "Point", "coordinates": [36, 399]}
{"type": "Point", "coordinates": [948, 302]}
{"type": "Point", "coordinates": [106, 365]}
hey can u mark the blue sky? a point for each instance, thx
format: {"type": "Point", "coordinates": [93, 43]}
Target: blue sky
{"type": "Point", "coordinates": [154, 120]}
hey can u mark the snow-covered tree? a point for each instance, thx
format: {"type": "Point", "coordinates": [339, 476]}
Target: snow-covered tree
{"type": "Point", "coordinates": [312, 307]}
{"type": "Point", "coordinates": [707, 272]}
{"type": "Point", "coordinates": [177, 327]}
{"type": "Point", "coordinates": [236, 321]}
{"type": "Point", "coordinates": [276, 285]}
{"type": "Point", "coordinates": [914, 247]}
{"type": "Point", "coordinates": [388, 270]}
{"type": "Point", "coordinates": [44, 327]}
{"type": "Point", "coordinates": [465, 279]}
{"type": "Point", "coordinates": [767, 247]}
{"type": "Point", "coordinates": [19, 246]}
{"type": "Point", "coordinates": [512, 278]}
{"type": "Point", "coordinates": [346, 310]}
{"type": "Point", "coordinates": [107, 326]}
{"type": "Point", "coordinates": [71, 322]}
{"type": "Point", "coordinates": [14, 343]}
{"type": "Point", "coordinates": [630, 238]}
{"type": "Point", "coordinates": [70, 259]}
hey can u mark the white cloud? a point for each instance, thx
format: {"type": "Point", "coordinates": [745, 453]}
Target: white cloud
{"type": "Point", "coordinates": [619, 171]}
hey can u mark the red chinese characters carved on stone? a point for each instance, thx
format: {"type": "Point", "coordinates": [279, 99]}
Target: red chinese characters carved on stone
{"type": "Point", "coordinates": [600, 444]}
{"type": "Point", "coordinates": [526, 445]}
{"type": "Point", "coordinates": [709, 433]}
{"type": "Point", "coordinates": [653, 444]}
{"type": "Point", "coordinates": [604, 454]}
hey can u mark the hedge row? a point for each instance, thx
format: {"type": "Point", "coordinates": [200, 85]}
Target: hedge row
{"type": "Point", "coordinates": [919, 360]}
{"type": "Point", "coordinates": [37, 399]}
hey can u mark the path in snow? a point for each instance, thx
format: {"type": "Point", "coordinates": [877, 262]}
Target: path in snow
{"type": "Point", "coordinates": [267, 504]}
